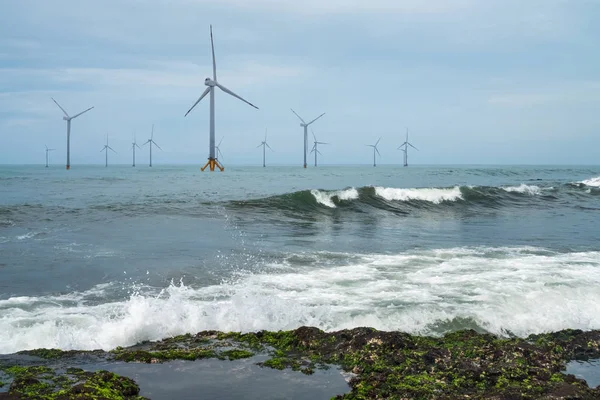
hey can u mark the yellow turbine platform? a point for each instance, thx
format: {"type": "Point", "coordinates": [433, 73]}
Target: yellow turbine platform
{"type": "Point", "coordinates": [212, 162]}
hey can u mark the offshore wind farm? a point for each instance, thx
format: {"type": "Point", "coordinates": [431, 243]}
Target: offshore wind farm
{"type": "Point", "coordinates": [460, 261]}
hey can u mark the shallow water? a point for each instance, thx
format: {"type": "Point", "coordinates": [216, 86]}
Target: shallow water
{"type": "Point", "coordinates": [588, 370]}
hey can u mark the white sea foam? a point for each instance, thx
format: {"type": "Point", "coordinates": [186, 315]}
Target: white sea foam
{"type": "Point", "coordinates": [517, 290]}
{"type": "Point", "coordinates": [326, 198]}
{"type": "Point", "coordinates": [26, 236]}
{"type": "Point", "coordinates": [595, 182]}
{"type": "Point", "coordinates": [432, 195]}
{"type": "Point", "coordinates": [525, 189]}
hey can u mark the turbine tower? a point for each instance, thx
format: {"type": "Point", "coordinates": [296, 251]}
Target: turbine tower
{"type": "Point", "coordinates": [374, 146]}
{"type": "Point", "coordinates": [47, 150]}
{"type": "Point", "coordinates": [133, 146]}
{"type": "Point", "coordinates": [315, 148]}
{"type": "Point", "coordinates": [305, 126]}
{"type": "Point", "coordinates": [105, 150]}
{"type": "Point", "coordinates": [405, 149]}
{"type": "Point", "coordinates": [152, 142]}
{"type": "Point", "coordinates": [211, 84]}
{"type": "Point", "coordinates": [68, 119]}
{"type": "Point", "coordinates": [264, 144]}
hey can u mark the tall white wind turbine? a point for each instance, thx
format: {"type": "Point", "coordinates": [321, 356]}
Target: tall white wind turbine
{"type": "Point", "coordinates": [68, 119]}
{"type": "Point", "coordinates": [374, 146]}
{"type": "Point", "coordinates": [315, 148]}
{"type": "Point", "coordinates": [105, 150]}
{"type": "Point", "coordinates": [133, 146]}
{"type": "Point", "coordinates": [47, 150]}
{"type": "Point", "coordinates": [405, 149]}
{"type": "Point", "coordinates": [305, 126]}
{"type": "Point", "coordinates": [211, 84]}
{"type": "Point", "coordinates": [264, 144]}
{"type": "Point", "coordinates": [152, 142]}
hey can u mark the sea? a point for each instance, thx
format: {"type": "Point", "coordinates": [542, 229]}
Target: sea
{"type": "Point", "coordinates": [95, 257]}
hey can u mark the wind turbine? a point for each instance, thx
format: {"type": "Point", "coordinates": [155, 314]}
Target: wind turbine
{"type": "Point", "coordinates": [133, 146]}
{"type": "Point", "coordinates": [211, 84]}
{"type": "Point", "coordinates": [152, 142]}
{"type": "Point", "coordinates": [305, 126]}
{"type": "Point", "coordinates": [68, 119]}
{"type": "Point", "coordinates": [374, 146]}
{"type": "Point", "coordinates": [105, 150]}
{"type": "Point", "coordinates": [405, 149]}
{"type": "Point", "coordinates": [47, 150]}
{"type": "Point", "coordinates": [264, 144]}
{"type": "Point", "coordinates": [315, 148]}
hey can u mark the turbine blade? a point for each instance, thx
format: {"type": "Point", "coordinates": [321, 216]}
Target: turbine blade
{"type": "Point", "coordinates": [137, 146]}
{"type": "Point", "coordinates": [323, 143]}
{"type": "Point", "coordinates": [265, 134]}
{"type": "Point", "coordinates": [377, 150]}
{"type": "Point", "coordinates": [313, 133]}
{"type": "Point", "coordinates": [152, 133]}
{"type": "Point", "coordinates": [156, 145]}
{"type": "Point", "coordinates": [269, 146]}
{"type": "Point", "coordinates": [413, 147]}
{"type": "Point", "coordinates": [316, 119]}
{"type": "Point", "coordinates": [259, 145]}
{"type": "Point", "coordinates": [63, 110]}
{"type": "Point", "coordinates": [146, 143]}
{"type": "Point", "coordinates": [377, 142]}
{"type": "Point", "coordinates": [196, 103]}
{"type": "Point", "coordinates": [319, 152]}
{"type": "Point", "coordinates": [112, 149]}
{"type": "Point", "coordinates": [298, 116]}
{"type": "Point", "coordinates": [212, 45]}
{"type": "Point", "coordinates": [221, 141]}
{"type": "Point", "coordinates": [223, 88]}
{"type": "Point", "coordinates": [83, 112]}
{"type": "Point", "coordinates": [46, 147]}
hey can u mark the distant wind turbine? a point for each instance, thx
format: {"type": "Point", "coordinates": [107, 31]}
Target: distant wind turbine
{"type": "Point", "coordinates": [68, 119]}
{"type": "Point", "coordinates": [405, 149]}
{"type": "Point", "coordinates": [315, 148]}
{"type": "Point", "coordinates": [211, 83]}
{"type": "Point", "coordinates": [374, 146]}
{"type": "Point", "coordinates": [305, 126]}
{"type": "Point", "coordinates": [47, 150]}
{"type": "Point", "coordinates": [264, 144]}
{"type": "Point", "coordinates": [133, 146]}
{"type": "Point", "coordinates": [152, 142]}
{"type": "Point", "coordinates": [105, 150]}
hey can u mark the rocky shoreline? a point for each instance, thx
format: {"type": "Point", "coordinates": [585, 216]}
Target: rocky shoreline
{"type": "Point", "coordinates": [380, 365]}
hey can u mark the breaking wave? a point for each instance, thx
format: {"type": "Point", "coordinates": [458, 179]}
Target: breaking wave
{"type": "Point", "coordinates": [502, 290]}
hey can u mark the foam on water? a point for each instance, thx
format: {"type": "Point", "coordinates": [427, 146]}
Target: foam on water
{"type": "Point", "coordinates": [525, 189]}
{"type": "Point", "coordinates": [594, 182]}
{"type": "Point", "coordinates": [517, 290]}
{"type": "Point", "coordinates": [326, 198]}
{"type": "Point", "coordinates": [432, 195]}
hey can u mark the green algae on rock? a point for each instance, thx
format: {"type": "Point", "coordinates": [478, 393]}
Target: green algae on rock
{"type": "Point", "coordinates": [44, 383]}
{"type": "Point", "coordinates": [460, 365]}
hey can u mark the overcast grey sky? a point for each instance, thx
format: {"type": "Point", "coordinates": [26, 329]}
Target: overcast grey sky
{"type": "Point", "coordinates": [495, 81]}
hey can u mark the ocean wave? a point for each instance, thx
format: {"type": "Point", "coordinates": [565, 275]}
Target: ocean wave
{"type": "Point", "coordinates": [526, 189]}
{"type": "Point", "coordinates": [433, 195]}
{"type": "Point", "coordinates": [593, 182]}
{"type": "Point", "coordinates": [327, 198]}
{"type": "Point", "coordinates": [505, 291]}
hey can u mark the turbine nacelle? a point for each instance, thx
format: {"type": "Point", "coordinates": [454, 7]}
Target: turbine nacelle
{"type": "Point", "coordinates": [210, 82]}
{"type": "Point", "coordinates": [66, 118]}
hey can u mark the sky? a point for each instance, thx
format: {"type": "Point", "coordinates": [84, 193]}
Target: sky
{"type": "Point", "coordinates": [475, 82]}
